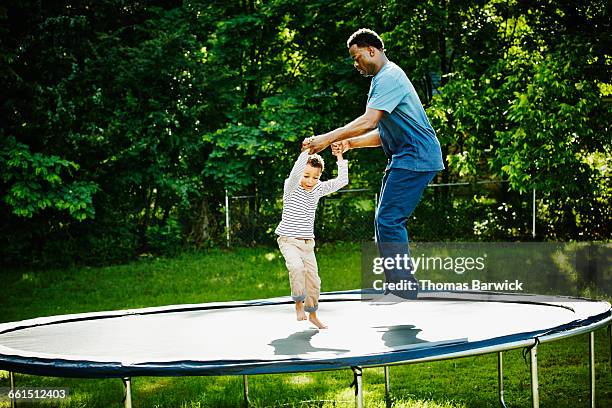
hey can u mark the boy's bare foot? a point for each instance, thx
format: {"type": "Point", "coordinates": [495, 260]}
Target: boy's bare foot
{"type": "Point", "coordinates": [315, 320]}
{"type": "Point", "coordinates": [299, 310]}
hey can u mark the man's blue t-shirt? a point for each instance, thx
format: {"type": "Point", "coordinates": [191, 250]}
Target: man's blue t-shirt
{"type": "Point", "coordinates": [407, 137]}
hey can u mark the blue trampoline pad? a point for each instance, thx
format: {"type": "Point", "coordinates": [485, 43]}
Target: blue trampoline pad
{"type": "Point", "coordinates": [262, 336]}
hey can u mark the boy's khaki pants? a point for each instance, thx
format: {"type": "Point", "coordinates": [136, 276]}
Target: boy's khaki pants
{"type": "Point", "coordinates": [303, 271]}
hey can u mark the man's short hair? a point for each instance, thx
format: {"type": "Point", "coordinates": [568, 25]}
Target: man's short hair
{"type": "Point", "coordinates": [364, 37]}
{"type": "Point", "coordinates": [316, 161]}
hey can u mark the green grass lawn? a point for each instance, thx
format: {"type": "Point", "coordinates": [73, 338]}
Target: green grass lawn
{"type": "Point", "coordinates": [240, 274]}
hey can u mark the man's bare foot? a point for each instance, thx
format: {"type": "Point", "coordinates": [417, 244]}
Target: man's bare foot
{"type": "Point", "coordinates": [299, 310]}
{"type": "Point", "coordinates": [315, 320]}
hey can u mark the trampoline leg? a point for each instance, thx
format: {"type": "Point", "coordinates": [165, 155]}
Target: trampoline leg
{"type": "Point", "coordinates": [127, 382]}
{"type": "Point", "coordinates": [592, 366]}
{"type": "Point", "coordinates": [500, 378]}
{"type": "Point", "coordinates": [12, 382]}
{"type": "Point", "coordinates": [245, 382]}
{"type": "Point", "coordinates": [610, 336]}
{"type": "Point", "coordinates": [357, 371]}
{"type": "Point", "coordinates": [535, 394]}
{"type": "Point", "coordinates": [387, 387]}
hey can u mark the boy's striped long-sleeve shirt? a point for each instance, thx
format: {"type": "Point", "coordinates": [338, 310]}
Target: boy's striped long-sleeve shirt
{"type": "Point", "coordinates": [299, 205]}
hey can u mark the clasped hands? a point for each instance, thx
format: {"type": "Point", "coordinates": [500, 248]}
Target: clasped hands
{"type": "Point", "coordinates": [316, 144]}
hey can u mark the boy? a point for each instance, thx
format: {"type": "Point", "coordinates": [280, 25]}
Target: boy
{"type": "Point", "coordinates": [296, 230]}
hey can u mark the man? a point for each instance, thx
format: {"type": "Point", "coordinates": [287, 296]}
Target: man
{"type": "Point", "coordinates": [394, 119]}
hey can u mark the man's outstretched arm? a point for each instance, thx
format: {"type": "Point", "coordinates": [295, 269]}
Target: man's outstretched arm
{"type": "Point", "coordinates": [361, 125]}
{"type": "Point", "coordinates": [370, 139]}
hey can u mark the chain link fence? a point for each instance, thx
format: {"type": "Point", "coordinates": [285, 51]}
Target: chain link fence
{"type": "Point", "coordinates": [484, 210]}
{"type": "Point", "coordinates": [347, 215]}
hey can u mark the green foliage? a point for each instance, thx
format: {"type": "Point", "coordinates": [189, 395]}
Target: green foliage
{"type": "Point", "coordinates": [34, 183]}
{"type": "Point", "coordinates": [536, 117]}
{"type": "Point", "coordinates": [119, 117]}
{"type": "Point", "coordinates": [557, 143]}
{"type": "Point", "coordinates": [165, 239]}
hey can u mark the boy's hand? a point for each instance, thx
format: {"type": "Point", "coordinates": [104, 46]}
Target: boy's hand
{"type": "Point", "coordinates": [316, 143]}
{"type": "Point", "coordinates": [340, 147]}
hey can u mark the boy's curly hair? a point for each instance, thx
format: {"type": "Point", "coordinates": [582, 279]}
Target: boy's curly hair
{"type": "Point", "coordinates": [316, 161]}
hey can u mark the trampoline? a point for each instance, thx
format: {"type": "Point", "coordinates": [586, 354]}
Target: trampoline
{"type": "Point", "coordinates": [261, 336]}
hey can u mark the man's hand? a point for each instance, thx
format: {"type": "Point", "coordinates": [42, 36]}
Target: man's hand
{"type": "Point", "coordinates": [315, 143]}
{"type": "Point", "coordinates": [363, 125]}
{"type": "Point", "coordinates": [340, 147]}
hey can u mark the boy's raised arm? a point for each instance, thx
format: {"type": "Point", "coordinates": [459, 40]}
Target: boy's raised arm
{"type": "Point", "coordinates": [293, 181]}
{"type": "Point", "coordinates": [330, 186]}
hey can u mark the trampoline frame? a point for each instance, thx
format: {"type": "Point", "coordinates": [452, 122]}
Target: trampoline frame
{"type": "Point", "coordinates": [531, 345]}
